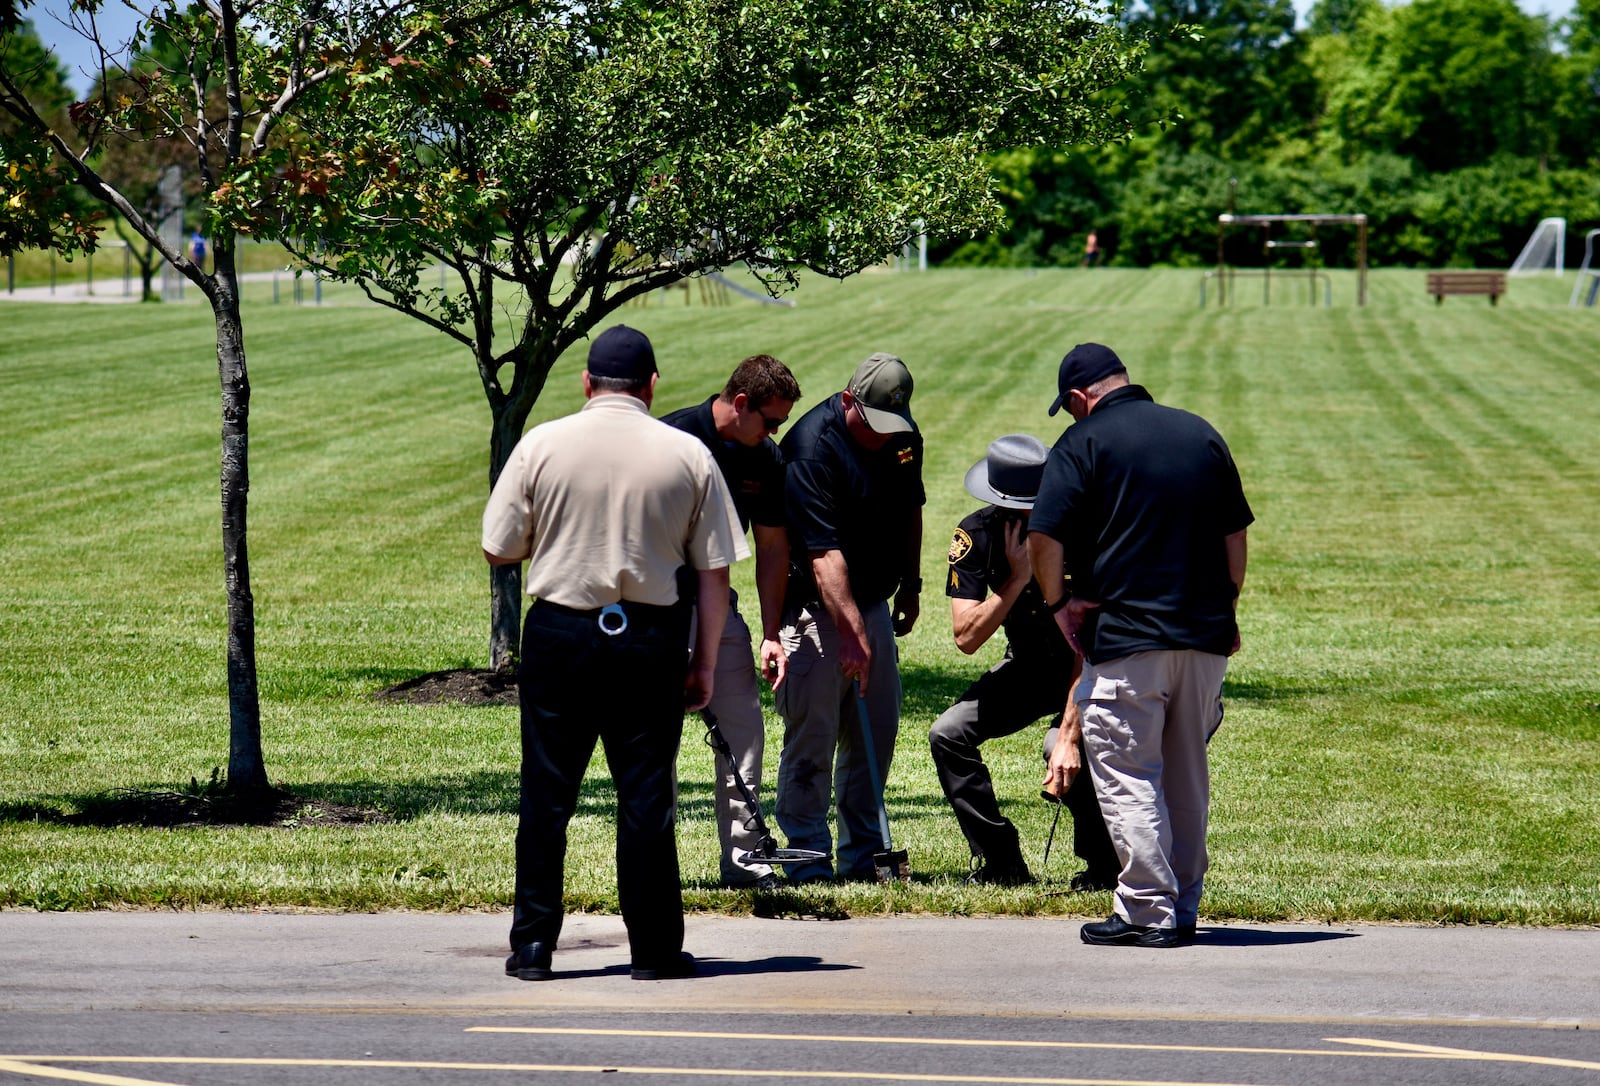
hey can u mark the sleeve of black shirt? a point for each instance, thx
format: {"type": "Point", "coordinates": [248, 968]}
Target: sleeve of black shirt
{"type": "Point", "coordinates": [969, 557]}
{"type": "Point", "coordinates": [1060, 493]}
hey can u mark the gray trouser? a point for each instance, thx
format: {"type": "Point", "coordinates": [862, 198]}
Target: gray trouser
{"type": "Point", "coordinates": [822, 730]}
{"type": "Point", "coordinates": [736, 703]}
{"type": "Point", "coordinates": [1146, 721]}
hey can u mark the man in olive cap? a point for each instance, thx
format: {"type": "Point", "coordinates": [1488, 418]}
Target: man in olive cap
{"type": "Point", "coordinates": [1141, 505]}
{"type": "Point", "coordinates": [853, 502]}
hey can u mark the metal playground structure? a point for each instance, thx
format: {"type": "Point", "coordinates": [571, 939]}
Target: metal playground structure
{"type": "Point", "coordinates": [1226, 274]}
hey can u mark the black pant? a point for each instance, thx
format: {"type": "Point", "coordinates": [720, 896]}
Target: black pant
{"type": "Point", "coordinates": [1005, 699]}
{"type": "Point", "coordinates": [578, 685]}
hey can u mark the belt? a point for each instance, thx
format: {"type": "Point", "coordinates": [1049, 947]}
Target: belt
{"type": "Point", "coordinates": [613, 618]}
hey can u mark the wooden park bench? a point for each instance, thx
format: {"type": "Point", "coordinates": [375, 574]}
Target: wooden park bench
{"type": "Point", "coordinates": [1492, 283]}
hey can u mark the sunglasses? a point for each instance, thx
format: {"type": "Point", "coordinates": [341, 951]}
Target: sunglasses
{"type": "Point", "coordinates": [771, 423]}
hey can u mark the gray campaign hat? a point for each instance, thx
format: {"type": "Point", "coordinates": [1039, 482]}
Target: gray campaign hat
{"type": "Point", "coordinates": [1009, 476]}
{"type": "Point", "coordinates": [881, 387]}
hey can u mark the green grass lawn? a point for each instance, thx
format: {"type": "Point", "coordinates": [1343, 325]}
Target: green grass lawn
{"type": "Point", "coordinates": [1413, 728]}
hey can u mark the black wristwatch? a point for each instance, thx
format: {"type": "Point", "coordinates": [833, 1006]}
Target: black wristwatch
{"type": "Point", "coordinates": [1052, 608]}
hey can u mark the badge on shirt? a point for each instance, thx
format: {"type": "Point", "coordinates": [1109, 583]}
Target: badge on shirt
{"type": "Point", "coordinates": [907, 455]}
{"type": "Point", "coordinates": [960, 544]}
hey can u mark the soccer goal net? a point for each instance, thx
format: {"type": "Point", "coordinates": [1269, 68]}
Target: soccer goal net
{"type": "Point", "coordinates": [1545, 251]}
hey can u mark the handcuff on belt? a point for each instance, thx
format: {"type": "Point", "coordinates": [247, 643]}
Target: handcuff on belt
{"type": "Point", "coordinates": [618, 617]}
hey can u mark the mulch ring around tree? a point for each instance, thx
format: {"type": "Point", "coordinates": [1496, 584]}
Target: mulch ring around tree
{"type": "Point", "coordinates": [461, 686]}
{"type": "Point", "coordinates": [219, 807]}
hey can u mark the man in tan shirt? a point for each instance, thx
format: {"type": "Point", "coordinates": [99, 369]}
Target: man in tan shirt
{"type": "Point", "coordinates": [608, 506]}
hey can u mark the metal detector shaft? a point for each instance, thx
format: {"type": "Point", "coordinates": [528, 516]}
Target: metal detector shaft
{"type": "Point", "coordinates": [719, 743]}
{"type": "Point", "coordinates": [872, 769]}
{"type": "Point", "coordinates": [767, 850]}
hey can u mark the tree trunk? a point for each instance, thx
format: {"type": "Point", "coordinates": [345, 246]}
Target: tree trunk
{"type": "Point", "coordinates": [505, 582]}
{"type": "Point", "coordinates": [246, 765]}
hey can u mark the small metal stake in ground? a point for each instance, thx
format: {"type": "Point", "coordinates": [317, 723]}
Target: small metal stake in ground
{"type": "Point", "coordinates": [891, 863]}
{"type": "Point", "coordinates": [767, 850]}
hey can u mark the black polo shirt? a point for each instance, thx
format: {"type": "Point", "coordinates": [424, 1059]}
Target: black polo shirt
{"type": "Point", "coordinates": [1141, 497]}
{"type": "Point", "coordinates": [838, 496]}
{"type": "Point", "coordinates": [978, 566]}
{"type": "Point", "coordinates": [754, 473]}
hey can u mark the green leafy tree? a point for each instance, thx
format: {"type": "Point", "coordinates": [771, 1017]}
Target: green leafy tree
{"type": "Point", "coordinates": [263, 72]}
{"type": "Point", "coordinates": [40, 206]}
{"type": "Point", "coordinates": [570, 157]}
{"type": "Point", "coordinates": [1450, 83]}
{"type": "Point", "coordinates": [1232, 73]}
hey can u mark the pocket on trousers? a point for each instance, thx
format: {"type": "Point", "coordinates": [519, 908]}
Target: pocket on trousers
{"type": "Point", "coordinates": [1104, 688]}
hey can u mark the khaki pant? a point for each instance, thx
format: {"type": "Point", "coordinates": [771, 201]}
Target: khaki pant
{"type": "Point", "coordinates": [1146, 721]}
{"type": "Point", "coordinates": [823, 754]}
{"type": "Point", "coordinates": [736, 702]}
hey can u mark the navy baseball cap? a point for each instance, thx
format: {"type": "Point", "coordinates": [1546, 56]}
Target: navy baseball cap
{"type": "Point", "coordinates": [1084, 365]}
{"type": "Point", "coordinates": [623, 353]}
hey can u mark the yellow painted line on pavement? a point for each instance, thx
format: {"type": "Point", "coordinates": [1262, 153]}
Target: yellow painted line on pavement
{"type": "Point", "coordinates": [1394, 1050]}
{"type": "Point", "coordinates": [19, 1067]}
{"type": "Point", "coordinates": [1441, 1053]}
{"type": "Point", "coordinates": [22, 1064]}
{"type": "Point", "coordinates": [946, 1041]}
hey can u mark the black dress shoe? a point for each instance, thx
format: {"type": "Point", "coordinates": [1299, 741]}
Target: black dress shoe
{"type": "Point", "coordinates": [530, 962]}
{"type": "Point", "coordinates": [1186, 934]}
{"type": "Point", "coordinates": [1115, 931]}
{"type": "Point", "coordinates": [683, 965]}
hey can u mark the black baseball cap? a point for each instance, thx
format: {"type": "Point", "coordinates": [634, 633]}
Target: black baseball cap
{"type": "Point", "coordinates": [1083, 366]}
{"type": "Point", "coordinates": [623, 353]}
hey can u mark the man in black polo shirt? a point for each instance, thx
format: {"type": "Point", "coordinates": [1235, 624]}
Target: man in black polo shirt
{"type": "Point", "coordinates": [991, 587]}
{"type": "Point", "coordinates": [1142, 506]}
{"type": "Point", "coordinates": [737, 426]}
{"type": "Point", "coordinates": [853, 499]}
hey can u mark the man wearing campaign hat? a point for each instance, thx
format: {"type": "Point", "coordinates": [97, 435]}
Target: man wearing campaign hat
{"type": "Point", "coordinates": [991, 586]}
{"type": "Point", "coordinates": [853, 509]}
{"type": "Point", "coordinates": [1141, 505]}
{"type": "Point", "coordinates": [610, 508]}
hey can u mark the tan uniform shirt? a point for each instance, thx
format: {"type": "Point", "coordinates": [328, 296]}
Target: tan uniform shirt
{"type": "Point", "coordinates": [608, 504]}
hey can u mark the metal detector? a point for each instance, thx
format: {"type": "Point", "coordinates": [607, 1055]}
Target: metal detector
{"type": "Point", "coordinates": [767, 851]}
{"type": "Point", "coordinates": [1059, 802]}
{"type": "Point", "coordinates": [891, 864]}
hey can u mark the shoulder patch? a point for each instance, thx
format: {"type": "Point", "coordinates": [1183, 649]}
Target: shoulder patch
{"type": "Point", "coordinates": [960, 544]}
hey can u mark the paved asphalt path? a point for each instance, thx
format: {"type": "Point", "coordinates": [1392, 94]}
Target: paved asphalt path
{"type": "Point", "coordinates": [244, 998]}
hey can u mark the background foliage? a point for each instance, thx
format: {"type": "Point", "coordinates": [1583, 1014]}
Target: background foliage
{"type": "Point", "coordinates": [1455, 125]}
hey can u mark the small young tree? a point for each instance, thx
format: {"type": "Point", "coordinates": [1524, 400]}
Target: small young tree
{"type": "Point", "coordinates": [263, 56]}
{"type": "Point", "coordinates": [563, 158]}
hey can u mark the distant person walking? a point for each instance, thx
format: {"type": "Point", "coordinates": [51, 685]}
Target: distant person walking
{"type": "Point", "coordinates": [1141, 505]}
{"type": "Point", "coordinates": [1091, 250]}
{"type": "Point", "coordinates": [197, 249]}
{"type": "Point", "coordinates": [617, 516]}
